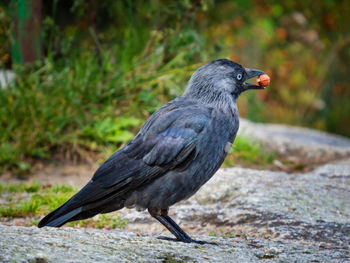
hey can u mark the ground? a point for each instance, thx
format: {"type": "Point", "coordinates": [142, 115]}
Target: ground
{"type": "Point", "coordinates": [250, 214]}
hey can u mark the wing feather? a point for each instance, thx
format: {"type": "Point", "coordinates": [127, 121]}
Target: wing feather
{"type": "Point", "coordinates": [166, 139]}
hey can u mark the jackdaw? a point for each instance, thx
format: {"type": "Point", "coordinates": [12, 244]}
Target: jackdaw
{"type": "Point", "coordinates": [177, 150]}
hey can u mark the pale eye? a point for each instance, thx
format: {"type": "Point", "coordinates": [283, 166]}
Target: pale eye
{"type": "Point", "coordinates": [239, 76]}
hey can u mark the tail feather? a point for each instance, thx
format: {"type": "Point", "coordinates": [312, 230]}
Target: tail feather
{"type": "Point", "coordinates": [60, 221]}
{"type": "Point", "coordinates": [89, 201]}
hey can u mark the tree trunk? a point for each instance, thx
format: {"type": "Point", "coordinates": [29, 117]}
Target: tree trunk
{"type": "Point", "coordinates": [26, 46]}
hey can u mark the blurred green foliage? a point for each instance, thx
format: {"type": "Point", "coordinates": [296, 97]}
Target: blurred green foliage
{"type": "Point", "coordinates": [110, 64]}
{"type": "Point", "coordinates": [248, 152]}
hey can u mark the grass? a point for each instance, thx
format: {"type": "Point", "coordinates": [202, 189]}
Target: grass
{"type": "Point", "coordinates": [35, 200]}
{"type": "Point", "coordinates": [81, 106]}
{"type": "Point", "coordinates": [21, 200]}
{"type": "Point", "coordinates": [249, 152]}
{"type": "Point", "coordinates": [16, 188]}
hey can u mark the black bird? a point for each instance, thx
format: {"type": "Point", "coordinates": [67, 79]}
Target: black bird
{"type": "Point", "coordinates": [177, 150]}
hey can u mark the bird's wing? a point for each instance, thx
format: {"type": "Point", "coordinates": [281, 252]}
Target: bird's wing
{"type": "Point", "coordinates": [164, 143]}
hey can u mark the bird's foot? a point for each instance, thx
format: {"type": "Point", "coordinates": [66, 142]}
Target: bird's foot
{"type": "Point", "coordinates": [199, 242]}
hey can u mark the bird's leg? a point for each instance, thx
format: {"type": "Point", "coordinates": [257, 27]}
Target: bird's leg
{"type": "Point", "coordinates": [164, 213]}
{"type": "Point", "coordinates": [166, 221]}
{"type": "Point", "coordinates": [179, 236]}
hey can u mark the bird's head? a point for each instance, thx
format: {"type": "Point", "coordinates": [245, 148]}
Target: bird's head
{"type": "Point", "coordinates": [221, 79]}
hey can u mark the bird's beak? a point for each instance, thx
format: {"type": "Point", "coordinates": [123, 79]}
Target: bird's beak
{"type": "Point", "coordinates": [251, 73]}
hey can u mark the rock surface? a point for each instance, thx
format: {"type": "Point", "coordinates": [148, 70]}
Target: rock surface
{"type": "Point", "coordinates": [6, 78]}
{"type": "Point", "coordinates": [24, 244]}
{"type": "Point", "coordinates": [253, 214]}
{"type": "Point", "coordinates": [299, 144]}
